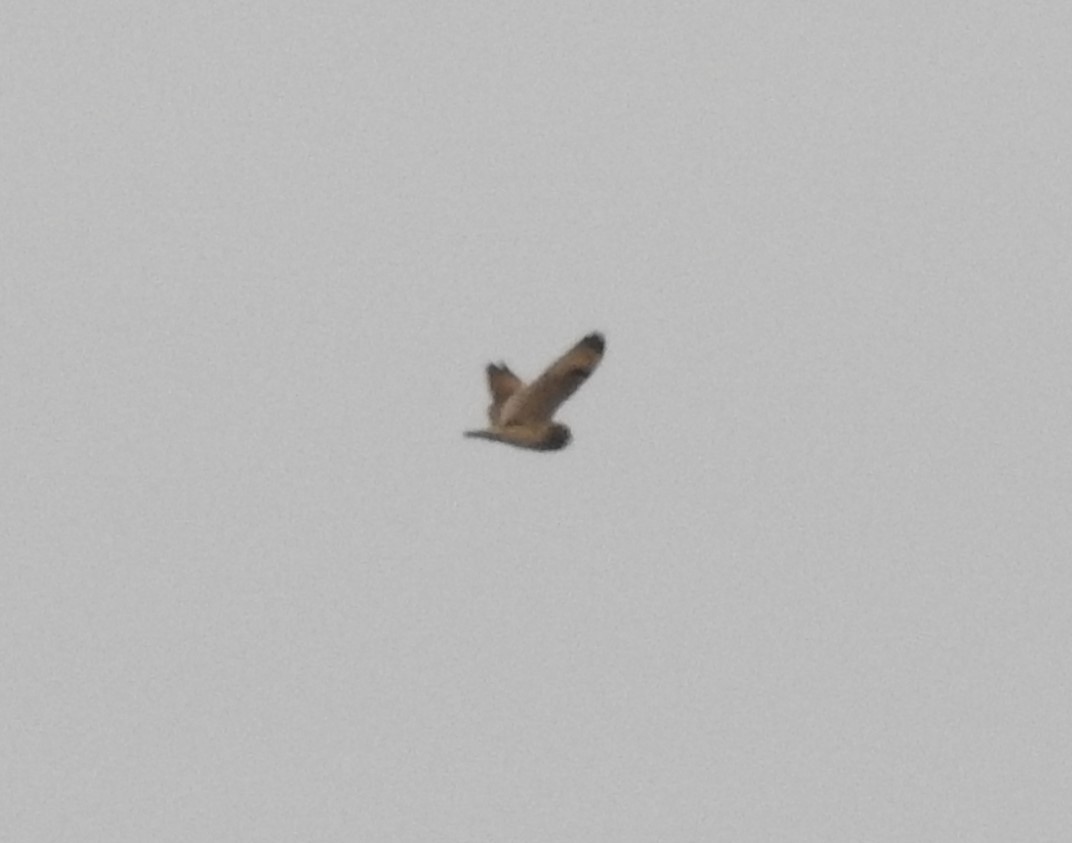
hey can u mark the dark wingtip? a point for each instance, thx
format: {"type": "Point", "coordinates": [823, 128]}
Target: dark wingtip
{"type": "Point", "coordinates": [595, 342]}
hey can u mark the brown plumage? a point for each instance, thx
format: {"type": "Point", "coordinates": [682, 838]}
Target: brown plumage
{"type": "Point", "coordinates": [503, 383]}
{"type": "Point", "coordinates": [521, 414]}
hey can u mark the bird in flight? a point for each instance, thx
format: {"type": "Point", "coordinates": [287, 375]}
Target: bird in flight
{"type": "Point", "coordinates": [520, 413]}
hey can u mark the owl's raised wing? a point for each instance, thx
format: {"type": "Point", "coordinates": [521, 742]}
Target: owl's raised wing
{"type": "Point", "coordinates": [502, 383]}
{"type": "Point", "coordinates": [538, 401]}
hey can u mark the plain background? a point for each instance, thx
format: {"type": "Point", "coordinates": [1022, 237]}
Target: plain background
{"type": "Point", "coordinates": [803, 574]}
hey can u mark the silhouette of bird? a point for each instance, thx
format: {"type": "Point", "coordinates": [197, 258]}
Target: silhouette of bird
{"type": "Point", "coordinates": [521, 414]}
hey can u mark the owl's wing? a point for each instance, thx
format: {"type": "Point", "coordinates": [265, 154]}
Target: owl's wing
{"type": "Point", "coordinates": [538, 401]}
{"type": "Point", "coordinates": [502, 383]}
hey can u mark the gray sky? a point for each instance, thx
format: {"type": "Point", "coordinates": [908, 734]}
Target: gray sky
{"type": "Point", "coordinates": [803, 574]}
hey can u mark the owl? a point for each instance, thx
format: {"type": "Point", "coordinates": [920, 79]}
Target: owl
{"type": "Point", "coordinates": [521, 414]}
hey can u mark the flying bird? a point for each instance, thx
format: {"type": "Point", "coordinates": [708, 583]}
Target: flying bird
{"type": "Point", "coordinates": [520, 413]}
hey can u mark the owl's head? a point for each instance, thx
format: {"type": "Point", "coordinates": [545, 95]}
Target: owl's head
{"type": "Point", "coordinates": [558, 437]}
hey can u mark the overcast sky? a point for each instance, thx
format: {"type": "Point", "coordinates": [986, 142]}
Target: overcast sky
{"type": "Point", "coordinates": [803, 574]}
